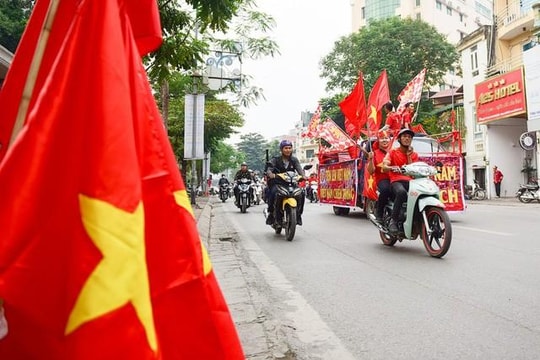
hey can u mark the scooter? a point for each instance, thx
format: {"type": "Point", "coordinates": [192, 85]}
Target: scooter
{"type": "Point", "coordinates": [244, 194]}
{"type": "Point", "coordinates": [223, 192]}
{"type": "Point", "coordinates": [474, 191]}
{"type": "Point", "coordinates": [528, 192]}
{"type": "Point", "coordinates": [422, 214]}
{"type": "Point", "coordinates": [313, 195]}
{"type": "Point", "coordinates": [288, 197]}
{"type": "Point", "coordinates": [257, 193]}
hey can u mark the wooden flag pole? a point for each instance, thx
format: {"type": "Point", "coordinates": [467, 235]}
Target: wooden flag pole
{"type": "Point", "coordinates": [33, 70]}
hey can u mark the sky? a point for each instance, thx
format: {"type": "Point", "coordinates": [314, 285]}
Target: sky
{"type": "Point", "coordinates": [305, 31]}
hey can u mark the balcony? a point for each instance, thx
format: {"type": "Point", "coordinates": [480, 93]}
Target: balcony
{"type": "Point", "coordinates": [504, 66]}
{"type": "Point", "coordinates": [513, 20]}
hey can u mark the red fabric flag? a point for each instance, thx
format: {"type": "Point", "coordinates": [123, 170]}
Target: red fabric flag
{"type": "Point", "coordinates": [370, 186]}
{"type": "Point", "coordinates": [412, 92]}
{"type": "Point", "coordinates": [380, 95]}
{"type": "Point", "coordinates": [313, 126]}
{"type": "Point", "coordinates": [354, 109]}
{"type": "Point", "coordinates": [100, 256]}
{"type": "Point", "coordinates": [332, 134]}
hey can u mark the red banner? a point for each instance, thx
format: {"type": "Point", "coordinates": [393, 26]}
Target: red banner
{"type": "Point", "coordinates": [449, 180]}
{"type": "Point", "coordinates": [500, 97]}
{"type": "Point", "coordinates": [337, 183]}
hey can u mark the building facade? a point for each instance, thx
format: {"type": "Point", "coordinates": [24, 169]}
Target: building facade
{"type": "Point", "coordinates": [501, 72]}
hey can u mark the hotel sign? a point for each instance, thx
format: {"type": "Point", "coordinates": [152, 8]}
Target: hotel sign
{"type": "Point", "coordinates": [500, 97]}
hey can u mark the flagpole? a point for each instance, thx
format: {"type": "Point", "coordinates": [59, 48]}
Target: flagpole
{"type": "Point", "coordinates": [34, 70]}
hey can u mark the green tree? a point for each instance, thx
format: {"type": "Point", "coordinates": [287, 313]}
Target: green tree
{"type": "Point", "coordinates": [253, 148]}
{"type": "Point", "coordinates": [14, 15]}
{"type": "Point", "coordinates": [223, 157]}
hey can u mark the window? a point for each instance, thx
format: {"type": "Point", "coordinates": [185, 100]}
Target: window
{"type": "Point", "coordinates": [449, 10]}
{"type": "Point", "coordinates": [461, 17]}
{"type": "Point", "coordinates": [310, 153]}
{"type": "Point", "coordinates": [418, 16]}
{"type": "Point", "coordinates": [417, 2]}
{"type": "Point", "coordinates": [438, 4]}
{"type": "Point", "coordinates": [474, 60]}
{"type": "Point", "coordinates": [363, 13]}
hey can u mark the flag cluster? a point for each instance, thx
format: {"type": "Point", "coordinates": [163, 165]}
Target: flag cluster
{"type": "Point", "coordinates": [100, 257]}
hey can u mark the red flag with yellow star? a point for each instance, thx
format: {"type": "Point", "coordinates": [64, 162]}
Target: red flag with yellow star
{"type": "Point", "coordinates": [380, 95]}
{"type": "Point", "coordinates": [100, 256]}
{"type": "Point", "coordinates": [353, 106]}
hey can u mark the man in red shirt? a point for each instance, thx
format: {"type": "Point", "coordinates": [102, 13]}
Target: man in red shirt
{"type": "Point", "coordinates": [497, 180]}
{"type": "Point", "coordinates": [399, 183]}
{"type": "Point", "coordinates": [408, 115]}
{"type": "Point", "coordinates": [393, 121]}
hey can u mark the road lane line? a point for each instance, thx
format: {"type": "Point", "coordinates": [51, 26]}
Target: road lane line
{"type": "Point", "coordinates": [482, 230]}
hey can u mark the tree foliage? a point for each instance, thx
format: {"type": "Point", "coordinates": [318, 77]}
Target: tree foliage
{"type": "Point", "coordinates": [401, 46]}
{"type": "Point", "coordinates": [253, 147]}
{"type": "Point", "coordinates": [224, 157]}
{"type": "Point", "coordinates": [14, 15]}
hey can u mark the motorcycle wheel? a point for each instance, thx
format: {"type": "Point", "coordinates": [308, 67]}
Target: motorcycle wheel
{"type": "Point", "coordinates": [386, 238]}
{"type": "Point", "coordinates": [527, 199]}
{"type": "Point", "coordinates": [438, 242]}
{"type": "Point", "coordinates": [315, 197]}
{"type": "Point", "coordinates": [479, 195]}
{"type": "Point", "coordinates": [290, 222]}
{"type": "Point", "coordinates": [243, 206]}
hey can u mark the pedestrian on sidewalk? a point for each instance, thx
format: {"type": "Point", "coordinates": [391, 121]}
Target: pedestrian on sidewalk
{"type": "Point", "coordinates": [497, 180]}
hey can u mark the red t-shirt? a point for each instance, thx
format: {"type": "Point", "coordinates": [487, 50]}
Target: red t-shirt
{"type": "Point", "coordinates": [394, 122]}
{"type": "Point", "coordinates": [407, 118]}
{"type": "Point", "coordinates": [398, 158]}
{"type": "Point", "coordinates": [378, 157]}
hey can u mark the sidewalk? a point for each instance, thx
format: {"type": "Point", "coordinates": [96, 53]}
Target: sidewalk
{"type": "Point", "coordinates": [259, 337]}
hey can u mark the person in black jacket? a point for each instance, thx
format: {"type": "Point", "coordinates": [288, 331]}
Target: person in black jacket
{"type": "Point", "coordinates": [243, 173]}
{"type": "Point", "coordinates": [278, 164]}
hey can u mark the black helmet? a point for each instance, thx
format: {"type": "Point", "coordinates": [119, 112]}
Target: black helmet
{"type": "Point", "coordinates": [405, 131]}
{"type": "Point", "coordinates": [284, 143]}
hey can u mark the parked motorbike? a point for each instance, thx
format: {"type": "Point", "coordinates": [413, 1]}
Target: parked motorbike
{"type": "Point", "coordinates": [422, 214]}
{"type": "Point", "coordinates": [244, 194]}
{"type": "Point", "coordinates": [528, 192]}
{"type": "Point", "coordinates": [223, 192]}
{"type": "Point", "coordinates": [312, 193]}
{"type": "Point", "coordinates": [475, 191]}
{"type": "Point", "coordinates": [288, 197]}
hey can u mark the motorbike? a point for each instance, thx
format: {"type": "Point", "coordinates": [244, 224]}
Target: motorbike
{"type": "Point", "coordinates": [474, 191]}
{"type": "Point", "coordinates": [244, 194]}
{"type": "Point", "coordinates": [288, 197]}
{"type": "Point", "coordinates": [313, 195]}
{"type": "Point", "coordinates": [257, 193]}
{"type": "Point", "coordinates": [223, 192]}
{"type": "Point", "coordinates": [423, 213]}
{"type": "Point", "coordinates": [528, 192]}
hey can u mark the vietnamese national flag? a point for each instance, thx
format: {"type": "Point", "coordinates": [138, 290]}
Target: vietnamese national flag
{"type": "Point", "coordinates": [370, 186]}
{"type": "Point", "coordinates": [380, 95]}
{"type": "Point", "coordinates": [354, 109]}
{"type": "Point", "coordinates": [100, 256]}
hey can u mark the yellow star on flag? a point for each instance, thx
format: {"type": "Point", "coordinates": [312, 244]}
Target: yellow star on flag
{"type": "Point", "coordinates": [121, 276]}
{"type": "Point", "coordinates": [371, 180]}
{"type": "Point", "coordinates": [373, 114]}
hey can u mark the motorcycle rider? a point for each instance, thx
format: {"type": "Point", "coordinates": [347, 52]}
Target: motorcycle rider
{"type": "Point", "coordinates": [243, 173]}
{"type": "Point", "coordinates": [278, 164]}
{"type": "Point", "coordinates": [223, 181]}
{"type": "Point", "coordinates": [374, 167]}
{"type": "Point", "coordinates": [399, 182]}
{"type": "Point", "coordinates": [312, 177]}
